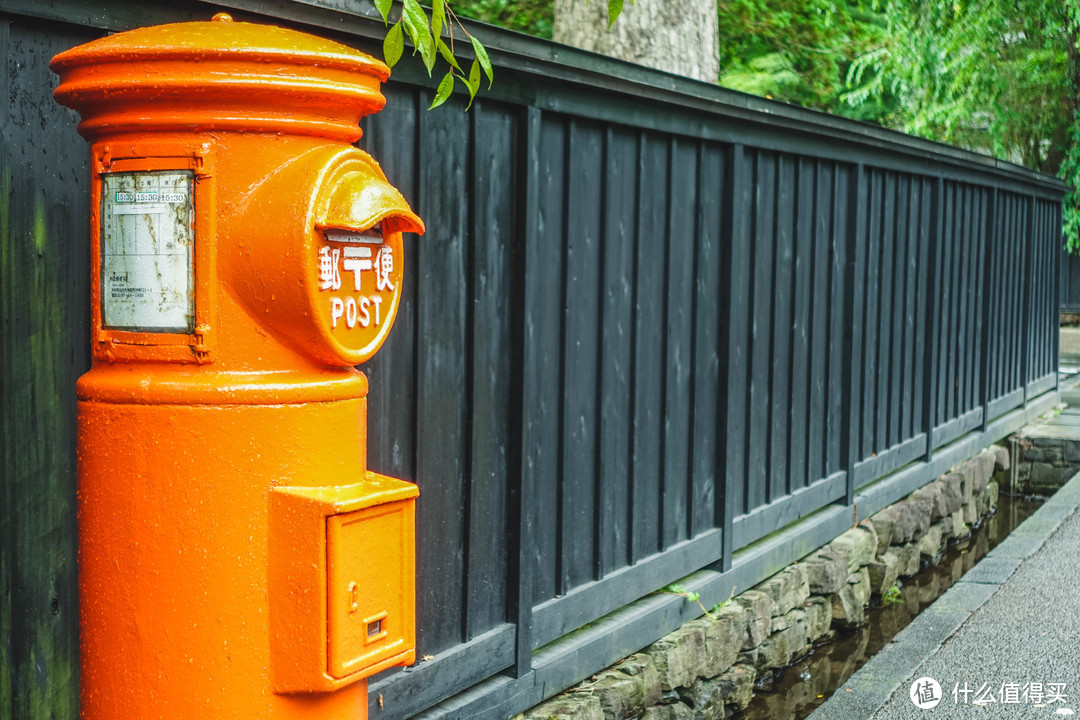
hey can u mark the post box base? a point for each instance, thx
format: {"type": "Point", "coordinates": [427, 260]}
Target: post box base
{"type": "Point", "coordinates": [174, 553]}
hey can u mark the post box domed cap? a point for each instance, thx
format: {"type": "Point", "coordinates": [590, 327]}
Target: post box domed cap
{"type": "Point", "coordinates": [219, 75]}
{"type": "Point", "coordinates": [220, 39]}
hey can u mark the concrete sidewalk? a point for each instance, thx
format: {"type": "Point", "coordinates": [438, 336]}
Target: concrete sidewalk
{"type": "Point", "coordinates": [1004, 641]}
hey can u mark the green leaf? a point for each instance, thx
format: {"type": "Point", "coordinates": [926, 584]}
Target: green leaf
{"type": "Point", "coordinates": [447, 55]}
{"type": "Point", "coordinates": [416, 25]}
{"type": "Point", "coordinates": [383, 6]}
{"type": "Point", "coordinates": [438, 17]}
{"type": "Point", "coordinates": [445, 88]}
{"type": "Point", "coordinates": [393, 45]}
{"type": "Point", "coordinates": [614, 9]}
{"type": "Point", "coordinates": [485, 62]}
{"type": "Point", "coordinates": [473, 83]}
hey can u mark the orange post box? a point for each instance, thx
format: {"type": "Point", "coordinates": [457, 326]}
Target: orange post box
{"type": "Point", "coordinates": [236, 556]}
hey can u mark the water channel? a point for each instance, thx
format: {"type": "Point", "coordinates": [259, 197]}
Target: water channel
{"type": "Point", "coordinates": [794, 693]}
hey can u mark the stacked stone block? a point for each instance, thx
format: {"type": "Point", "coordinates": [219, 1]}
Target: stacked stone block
{"type": "Point", "coordinates": [1045, 463]}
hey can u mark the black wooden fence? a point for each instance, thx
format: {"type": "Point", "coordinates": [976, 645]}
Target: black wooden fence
{"type": "Point", "coordinates": [655, 330]}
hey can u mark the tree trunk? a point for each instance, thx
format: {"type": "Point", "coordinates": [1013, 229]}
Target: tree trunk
{"type": "Point", "coordinates": [679, 36]}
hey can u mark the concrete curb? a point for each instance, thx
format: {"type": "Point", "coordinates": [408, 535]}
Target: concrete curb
{"type": "Point", "coordinates": [872, 686]}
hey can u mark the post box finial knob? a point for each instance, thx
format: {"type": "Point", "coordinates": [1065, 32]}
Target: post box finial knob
{"type": "Point", "coordinates": [222, 17]}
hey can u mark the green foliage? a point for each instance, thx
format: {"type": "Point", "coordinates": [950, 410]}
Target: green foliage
{"type": "Point", "coordinates": [1070, 173]}
{"type": "Point", "coordinates": [770, 75]}
{"type": "Point", "coordinates": [535, 17]}
{"type": "Point", "coordinates": [427, 37]}
{"type": "Point", "coordinates": [892, 596]}
{"type": "Point", "coordinates": [798, 51]}
{"type": "Point", "coordinates": [995, 76]}
{"type": "Point", "coordinates": [676, 589]}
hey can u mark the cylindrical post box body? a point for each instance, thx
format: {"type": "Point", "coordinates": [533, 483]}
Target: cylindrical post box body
{"type": "Point", "coordinates": [236, 556]}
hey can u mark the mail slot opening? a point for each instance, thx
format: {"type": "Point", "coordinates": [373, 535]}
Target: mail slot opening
{"type": "Point", "coordinates": [374, 628]}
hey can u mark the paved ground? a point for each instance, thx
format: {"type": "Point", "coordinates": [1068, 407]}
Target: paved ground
{"type": "Point", "coordinates": [1008, 631]}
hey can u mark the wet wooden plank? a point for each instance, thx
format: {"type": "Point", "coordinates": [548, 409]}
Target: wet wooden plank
{"type": "Point", "coordinates": [783, 296]}
{"type": "Point", "coordinates": [706, 472]}
{"type": "Point", "coordinates": [886, 293]}
{"type": "Point", "coordinates": [871, 322]}
{"type": "Point", "coordinates": [759, 407]}
{"type": "Point", "coordinates": [839, 360]}
{"type": "Point", "coordinates": [736, 261]}
{"type": "Point", "coordinates": [442, 372]}
{"type": "Point", "coordinates": [581, 333]}
{"type": "Point", "coordinates": [616, 341]}
{"type": "Point", "coordinates": [646, 459]}
{"type": "Point", "coordinates": [544, 261]}
{"type": "Point", "coordinates": [804, 260]}
{"type": "Point", "coordinates": [856, 212]}
{"type": "Point", "coordinates": [818, 318]}
{"type": "Point", "coordinates": [494, 128]}
{"type": "Point", "coordinates": [44, 346]}
{"type": "Point", "coordinates": [680, 243]}
{"type": "Point", "coordinates": [392, 138]}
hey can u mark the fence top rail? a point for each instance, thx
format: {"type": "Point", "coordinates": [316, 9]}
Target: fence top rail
{"type": "Point", "coordinates": [560, 78]}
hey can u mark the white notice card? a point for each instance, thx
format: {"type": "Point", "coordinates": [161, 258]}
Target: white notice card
{"type": "Point", "coordinates": [147, 248]}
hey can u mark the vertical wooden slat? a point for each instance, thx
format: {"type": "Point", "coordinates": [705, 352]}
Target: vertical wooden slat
{"type": "Point", "coordinates": [972, 254]}
{"type": "Point", "coordinates": [1056, 242]}
{"type": "Point", "coordinates": [442, 406]}
{"type": "Point", "coordinates": [616, 306]}
{"type": "Point", "coordinates": [871, 321]}
{"type": "Point", "coordinates": [646, 461]}
{"type": "Point", "coordinates": [821, 289]}
{"type": "Point", "coordinates": [907, 266]}
{"type": "Point", "coordinates": [963, 288]}
{"type": "Point", "coordinates": [921, 226]}
{"type": "Point", "coordinates": [759, 429]}
{"type": "Point", "coordinates": [391, 136]}
{"type": "Point", "coordinates": [976, 396]}
{"type": "Point", "coordinates": [855, 313]}
{"type": "Point", "coordinates": [840, 360]}
{"type": "Point", "coordinates": [525, 452]}
{"type": "Point", "coordinates": [1044, 284]}
{"type": "Point", "coordinates": [735, 339]}
{"type": "Point", "coordinates": [581, 326]}
{"type": "Point", "coordinates": [44, 341]}
{"type": "Point", "coordinates": [993, 297]}
{"type": "Point", "coordinates": [990, 292]}
{"type": "Point", "coordinates": [706, 472]}
{"type": "Point", "coordinates": [935, 299]}
{"type": "Point", "coordinates": [1011, 271]}
{"type": "Point", "coordinates": [1011, 275]}
{"type": "Point", "coordinates": [678, 255]}
{"type": "Point", "coordinates": [951, 334]}
{"type": "Point", "coordinates": [1026, 292]}
{"type": "Point", "coordinates": [544, 259]}
{"type": "Point", "coordinates": [780, 364]}
{"type": "Point", "coordinates": [886, 290]}
{"type": "Point", "coordinates": [804, 247]}
{"type": "Point", "coordinates": [492, 352]}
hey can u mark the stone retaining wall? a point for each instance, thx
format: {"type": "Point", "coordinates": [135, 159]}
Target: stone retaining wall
{"type": "Point", "coordinates": [1046, 461]}
{"type": "Point", "coordinates": [707, 669]}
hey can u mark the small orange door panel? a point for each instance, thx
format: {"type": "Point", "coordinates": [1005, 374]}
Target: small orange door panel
{"type": "Point", "coordinates": [368, 610]}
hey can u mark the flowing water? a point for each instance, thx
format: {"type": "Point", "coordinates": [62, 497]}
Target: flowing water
{"type": "Point", "coordinates": [794, 693]}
